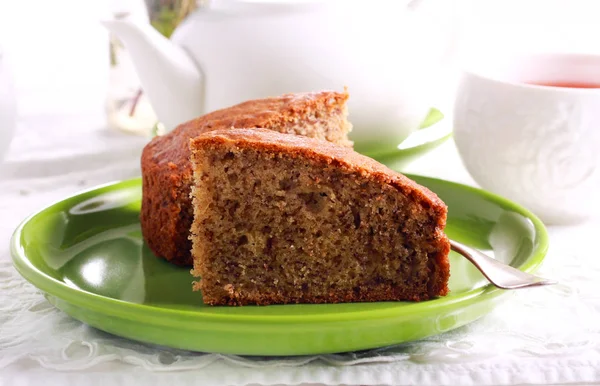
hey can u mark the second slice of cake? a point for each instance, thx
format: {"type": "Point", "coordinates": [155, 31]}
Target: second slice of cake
{"type": "Point", "coordinates": [280, 218]}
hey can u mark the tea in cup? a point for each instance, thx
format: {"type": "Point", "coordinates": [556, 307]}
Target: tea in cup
{"type": "Point", "coordinates": [528, 128]}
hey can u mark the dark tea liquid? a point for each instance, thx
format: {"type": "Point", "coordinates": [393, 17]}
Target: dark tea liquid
{"type": "Point", "coordinates": [567, 84]}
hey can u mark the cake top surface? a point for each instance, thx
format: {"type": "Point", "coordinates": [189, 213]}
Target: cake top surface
{"type": "Point", "coordinates": [173, 147]}
{"type": "Point", "coordinates": [321, 151]}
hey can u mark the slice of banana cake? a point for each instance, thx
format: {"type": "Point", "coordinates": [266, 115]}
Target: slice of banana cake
{"type": "Point", "coordinates": [166, 214]}
{"type": "Point", "coordinates": [281, 218]}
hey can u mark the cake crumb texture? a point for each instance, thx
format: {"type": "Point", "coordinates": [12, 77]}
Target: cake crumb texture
{"type": "Point", "coordinates": [289, 219]}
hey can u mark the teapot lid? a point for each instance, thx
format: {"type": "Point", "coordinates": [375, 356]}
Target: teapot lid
{"type": "Point", "coordinates": [292, 3]}
{"type": "Point", "coordinates": [268, 2]}
{"type": "Point", "coordinates": [260, 5]}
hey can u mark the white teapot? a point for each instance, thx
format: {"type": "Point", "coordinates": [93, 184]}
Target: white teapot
{"type": "Point", "coordinates": [8, 108]}
{"type": "Point", "coordinates": [386, 53]}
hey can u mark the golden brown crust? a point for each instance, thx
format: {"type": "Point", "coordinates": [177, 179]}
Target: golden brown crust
{"type": "Point", "coordinates": [327, 152]}
{"type": "Point", "coordinates": [166, 213]}
{"type": "Point", "coordinates": [324, 153]}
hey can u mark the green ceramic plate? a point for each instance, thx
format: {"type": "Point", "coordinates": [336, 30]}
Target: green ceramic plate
{"type": "Point", "coordinates": [87, 254]}
{"type": "Point", "coordinates": [433, 132]}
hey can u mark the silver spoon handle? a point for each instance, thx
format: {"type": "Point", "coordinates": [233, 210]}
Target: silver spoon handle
{"type": "Point", "coordinates": [501, 275]}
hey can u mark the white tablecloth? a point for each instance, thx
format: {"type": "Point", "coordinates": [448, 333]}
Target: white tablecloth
{"type": "Point", "coordinates": [538, 336]}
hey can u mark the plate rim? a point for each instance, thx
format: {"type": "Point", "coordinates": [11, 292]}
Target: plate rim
{"type": "Point", "coordinates": [439, 129]}
{"type": "Point", "coordinates": [133, 311]}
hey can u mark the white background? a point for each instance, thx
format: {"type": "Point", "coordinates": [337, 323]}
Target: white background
{"type": "Point", "coordinates": [41, 37]}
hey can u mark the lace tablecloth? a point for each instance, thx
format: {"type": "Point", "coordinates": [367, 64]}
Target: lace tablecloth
{"type": "Point", "coordinates": [538, 336]}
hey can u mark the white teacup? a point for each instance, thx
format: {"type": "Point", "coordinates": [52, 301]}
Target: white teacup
{"type": "Point", "coordinates": [8, 110]}
{"type": "Point", "coordinates": [538, 145]}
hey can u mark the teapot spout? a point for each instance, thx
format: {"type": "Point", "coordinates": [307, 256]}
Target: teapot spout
{"type": "Point", "coordinates": [170, 78]}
